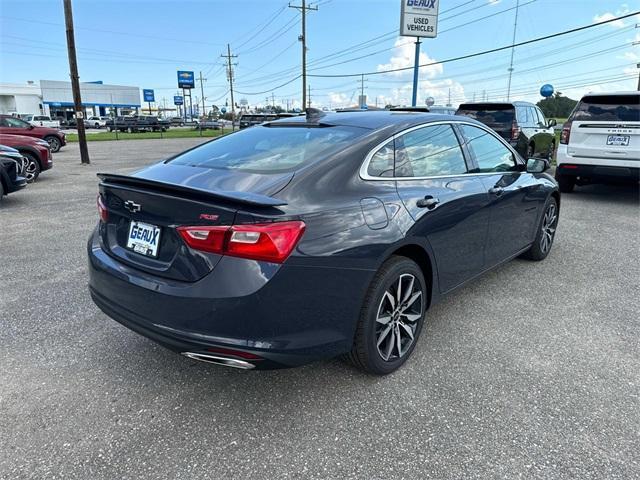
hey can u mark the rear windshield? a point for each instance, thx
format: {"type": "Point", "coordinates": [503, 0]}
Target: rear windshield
{"type": "Point", "coordinates": [270, 149]}
{"type": "Point", "coordinates": [489, 114]}
{"type": "Point", "coordinates": [625, 108]}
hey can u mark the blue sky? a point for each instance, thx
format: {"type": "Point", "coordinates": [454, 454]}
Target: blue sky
{"type": "Point", "coordinates": [144, 42]}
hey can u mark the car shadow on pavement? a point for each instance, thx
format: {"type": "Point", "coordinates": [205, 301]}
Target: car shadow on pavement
{"type": "Point", "coordinates": [620, 194]}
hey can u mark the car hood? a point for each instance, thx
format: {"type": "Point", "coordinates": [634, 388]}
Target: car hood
{"type": "Point", "coordinates": [204, 178]}
{"type": "Point", "coordinates": [13, 140]}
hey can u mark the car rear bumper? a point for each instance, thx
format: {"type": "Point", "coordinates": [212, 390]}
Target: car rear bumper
{"type": "Point", "coordinates": [596, 168]}
{"type": "Point", "coordinates": [301, 314]}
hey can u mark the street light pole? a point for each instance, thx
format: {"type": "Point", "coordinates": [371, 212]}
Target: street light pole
{"type": "Point", "coordinates": [75, 82]}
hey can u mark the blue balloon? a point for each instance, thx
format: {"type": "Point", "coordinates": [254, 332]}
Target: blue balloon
{"type": "Point", "coordinates": [546, 90]}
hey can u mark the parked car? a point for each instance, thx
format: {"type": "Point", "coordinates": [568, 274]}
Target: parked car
{"type": "Point", "coordinates": [137, 123]}
{"type": "Point", "coordinates": [522, 124]}
{"type": "Point", "coordinates": [10, 178]}
{"type": "Point", "coordinates": [36, 151]}
{"type": "Point", "coordinates": [95, 122]}
{"type": "Point", "coordinates": [209, 124]}
{"type": "Point", "coordinates": [251, 119]}
{"type": "Point", "coordinates": [286, 243]}
{"type": "Point", "coordinates": [40, 121]}
{"type": "Point", "coordinates": [15, 126]}
{"type": "Point", "coordinates": [600, 141]}
{"type": "Point", "coordinates": [14, 154]}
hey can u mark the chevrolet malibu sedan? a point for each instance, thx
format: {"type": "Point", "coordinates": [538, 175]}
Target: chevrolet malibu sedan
{"type": "Point", "coordinates": [315, 236]}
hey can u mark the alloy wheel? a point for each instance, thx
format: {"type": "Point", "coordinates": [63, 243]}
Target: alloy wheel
{"type": "Point", "coordinates": [548, 228]}
{"type": "Point", "coordinates": [54, 143]}
{"type": "Point", "coordinates": [30, 170]}
{"type": "Point", "coordinates": [399, 311]}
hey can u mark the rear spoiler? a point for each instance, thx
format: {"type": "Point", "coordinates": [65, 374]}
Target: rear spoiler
{"type": "Point", "coordinates": [246, 198]}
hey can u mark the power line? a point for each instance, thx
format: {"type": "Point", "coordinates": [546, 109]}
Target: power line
{"type": "Point", "coordinates": [485, 52]}
{"type": "Point", "coordinates": [303, 38]}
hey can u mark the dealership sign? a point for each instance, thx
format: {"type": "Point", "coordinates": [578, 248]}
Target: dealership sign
{"type": "Point", "coordinates": [148, 95]}
{"type": "Point", "coordinates": [186, 79]}
{"type": "Point", "coordinates": [178, 100]}
{"type": "Point", "coordinates": [419, 18]}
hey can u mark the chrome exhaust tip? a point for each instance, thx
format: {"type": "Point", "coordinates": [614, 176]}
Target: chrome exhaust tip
{"type": "Point", "coordinates": [218, 360]}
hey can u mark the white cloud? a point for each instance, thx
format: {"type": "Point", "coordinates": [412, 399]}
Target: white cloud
{"type": "Point", "coordinates": [608, 16]}
{"type": "Point", "coordinates": [404, 57]}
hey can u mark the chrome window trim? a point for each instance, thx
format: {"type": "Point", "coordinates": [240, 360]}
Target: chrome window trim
{"type": "Point", "coordinates": [364, 175]}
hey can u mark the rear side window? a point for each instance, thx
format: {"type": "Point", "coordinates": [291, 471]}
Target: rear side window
{"type": "Point", "coordinates": [608, 108]}
{"type": "Point", "coordinates": [270, 149]}
{"type": "Point", "coordinates": [381, 164]}
{"type": "Point", "coordinates": [490, 153]}
{"type": "Point", "coordinates": [429, 151]}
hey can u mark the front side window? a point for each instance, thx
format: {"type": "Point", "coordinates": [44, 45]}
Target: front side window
{"type": "Point", "coordinates": [14, 123]}
{"type": "Point", "coordinates": [429, 151]}
{"type": "Point", "coordinates": [541, 120]}
{"type": "Point", "coordinates": [490, 153]}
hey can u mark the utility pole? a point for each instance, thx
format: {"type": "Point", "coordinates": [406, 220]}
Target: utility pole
{"type": "Point", "coordinates": [309, 97]}
{"type": "Point", "coordinates": [449, 101]}
{"type": "Point", "coordinates": [202, 91]}
{"type": "Point", "coordinates": [303, 38]}
{"type": "Point", "coordinates": [362, 100]}
{"type": "Point", "coordinates": [75, 82]}
{"type": "Point", "coordinates": [513, 41]}
{"type": "Point", "coordinates": [228, 56]}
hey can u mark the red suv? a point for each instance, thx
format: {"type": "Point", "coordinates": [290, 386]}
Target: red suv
{"type": "Point", "coordinates": [37, 151]}
{"type": "Point", "coordinates": [15, 126]}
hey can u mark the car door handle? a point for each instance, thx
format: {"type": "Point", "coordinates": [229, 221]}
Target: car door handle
{"type": "Point", "coordinates": [497, 191]}
{"type": "Point", "coordinates": [428, 202]}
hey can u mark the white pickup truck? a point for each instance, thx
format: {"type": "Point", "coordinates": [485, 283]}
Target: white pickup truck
{"type": "Point", "coordinates": [40, 121]}
{"type": "Point", "coordinates": [95, 122]}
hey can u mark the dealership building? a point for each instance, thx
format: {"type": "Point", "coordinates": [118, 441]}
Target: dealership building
{"type": "Point", "coordinates": [55, 98]}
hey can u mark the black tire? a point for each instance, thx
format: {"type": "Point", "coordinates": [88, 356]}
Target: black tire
{"type": "Point", "coordinates": [370, 343]}
{"type": "Point", "coordinates": [54, 143]}
{"type": "Point", "coordinates": [1, 191]}
{"type": "Point", "coordinates": [546, 232]}
{"type": "Point", "coordinates": [552, 150]}
{"type": "Point", "coordinates": [531, 151]}
{"type": "Point", "coordinates": [33, 167]}
{"type": "Point", "coordinates": [565, 182]}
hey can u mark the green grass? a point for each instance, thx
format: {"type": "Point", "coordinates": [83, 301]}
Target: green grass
{"type": "Point", "coordinates": [175, 133]}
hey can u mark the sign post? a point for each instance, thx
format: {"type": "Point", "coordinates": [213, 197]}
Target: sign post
{"type": "Point", "coordinates": [418, 18]}
{"type": "Point", "coordinates": [187, 81]}
{"type": "Point", "coordinates": [149, 96]}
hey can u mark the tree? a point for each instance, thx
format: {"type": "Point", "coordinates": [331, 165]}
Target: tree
{"type": "Point", "coordinates": [557, 106]}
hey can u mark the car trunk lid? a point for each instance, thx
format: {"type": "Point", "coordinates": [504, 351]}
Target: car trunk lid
{"type": "Point", "coordinates": [606, 126]}
{"type": "Point", "coordinates": [148, 204]}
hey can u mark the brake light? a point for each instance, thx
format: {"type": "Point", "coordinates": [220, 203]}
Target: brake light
{"type": "Point", "coordinates": [515, 130]}
{"type": "Point", "coordinates": [271, 242]}
{"type": "Point", "coordinates": [566, 133]}
{"type": "Point", "coordinates": [102, 209]}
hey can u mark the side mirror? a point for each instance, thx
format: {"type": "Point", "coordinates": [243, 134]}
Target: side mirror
{"type": "Point", "coordinates": [537, 165]}
{"type": "Point", "coordinates": [552, 122]}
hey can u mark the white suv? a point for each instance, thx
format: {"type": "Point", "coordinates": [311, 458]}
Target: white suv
{"type": "Point", "coordinates": [600, 141]}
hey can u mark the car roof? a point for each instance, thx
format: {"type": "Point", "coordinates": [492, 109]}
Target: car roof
{"type": "Point", "coordinates": [609, 94]}
{"type": "Point", "coordinates": [517, 103]}
{"type": "Point", "coordinates": [372, 120]}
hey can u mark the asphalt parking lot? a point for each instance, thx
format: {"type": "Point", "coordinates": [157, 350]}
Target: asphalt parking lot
{"type": "Point", "coordinates": [531, 372]}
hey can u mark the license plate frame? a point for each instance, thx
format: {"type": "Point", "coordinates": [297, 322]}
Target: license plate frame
{"type": "Point", "coordinates": [144, 238]}
{"type": "Point", "coordinates": [618, 140]}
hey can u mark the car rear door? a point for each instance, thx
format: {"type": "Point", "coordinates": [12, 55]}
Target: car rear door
{"type": "Point", "coordinates": [606, 127]}
{"type": "Point", "coordinates": [447, 204]}
{"type": "Point", "coordinates": [515, 197]}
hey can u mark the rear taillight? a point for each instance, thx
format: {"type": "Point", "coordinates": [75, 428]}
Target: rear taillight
{"type": "Point", "coordinates": [515, 130]}
{"type": "Point", "coordinates": [102, 209]}
{"type": "Point", "coordinates": [566, 133]}
{"type": "Point", "coordinates": [271, 242]}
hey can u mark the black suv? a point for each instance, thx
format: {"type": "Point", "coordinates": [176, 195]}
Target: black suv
{"type": "Point", "coordinates": [522, 124]}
